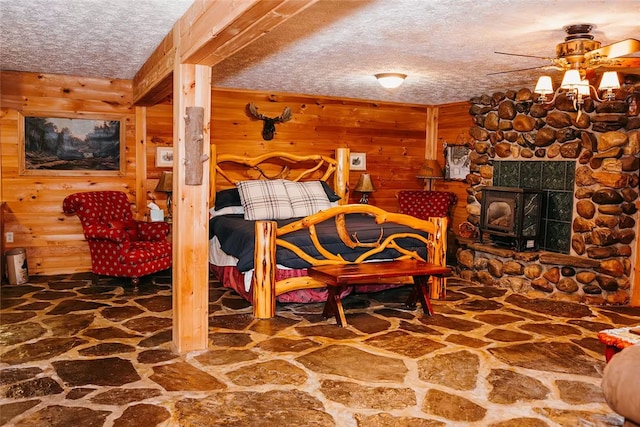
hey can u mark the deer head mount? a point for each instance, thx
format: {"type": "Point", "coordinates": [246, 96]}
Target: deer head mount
{"type": "Point", "coordinates": [269, 127]}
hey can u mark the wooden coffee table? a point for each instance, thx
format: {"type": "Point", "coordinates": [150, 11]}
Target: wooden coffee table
{"type": "Point", "coordinates": [617, 339]}
{"type": "Point", "coordinates": [336, 276]}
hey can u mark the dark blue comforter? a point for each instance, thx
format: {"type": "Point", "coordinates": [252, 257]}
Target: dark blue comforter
{"type": "Point", "coordinates": [236, 236]}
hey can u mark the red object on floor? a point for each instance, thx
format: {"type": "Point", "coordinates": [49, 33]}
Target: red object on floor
{"type": "Point", "coordinates": [617, 339]}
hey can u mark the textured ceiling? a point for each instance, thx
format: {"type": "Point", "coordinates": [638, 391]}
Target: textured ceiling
{"type": "Point", "coordinates": [332, 48]}
{"type": "Point", "coordinates": [92, 38]}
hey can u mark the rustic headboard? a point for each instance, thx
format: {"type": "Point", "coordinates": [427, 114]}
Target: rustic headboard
{"type": "Point", "coordinates": [228, 169]}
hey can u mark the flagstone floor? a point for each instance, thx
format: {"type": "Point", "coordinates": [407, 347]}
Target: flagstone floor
{"type": "Point", "coordinates": [77, 354]}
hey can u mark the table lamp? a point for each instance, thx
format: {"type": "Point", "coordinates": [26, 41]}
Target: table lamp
{"type": "Point", "coordinates": [165, 185]}
{"type": "Point", "coordinates": [430, 170]}
{"type": "Point", "coordinates": [365, 186]}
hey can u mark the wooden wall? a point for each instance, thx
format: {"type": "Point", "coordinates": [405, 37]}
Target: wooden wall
{"type": "Point", "coordinates": [33, 208]}
{"type": "Point", "coordinates": [391, 134]}
{"type": "Point", "coordinates": [454, 122]}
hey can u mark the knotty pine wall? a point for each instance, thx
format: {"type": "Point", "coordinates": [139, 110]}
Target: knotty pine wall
{"type": "Point", "coordinates": [33, 209]}
{"type": "Point", "coordinates": [391, 134]}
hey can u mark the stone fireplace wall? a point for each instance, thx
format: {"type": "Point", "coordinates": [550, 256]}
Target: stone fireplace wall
{"type": "Point", "coordinates": [604, 141]}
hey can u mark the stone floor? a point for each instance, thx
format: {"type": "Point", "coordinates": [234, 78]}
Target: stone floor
{"type": "Point", "coordinates": [77, 354]}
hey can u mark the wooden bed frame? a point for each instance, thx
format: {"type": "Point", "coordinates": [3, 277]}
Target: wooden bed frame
{"type": "Point", "coordinates": [227, 169]}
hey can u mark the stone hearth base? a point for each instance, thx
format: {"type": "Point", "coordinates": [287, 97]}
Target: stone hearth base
{"type": "Point", "coordinates": [539, 274]}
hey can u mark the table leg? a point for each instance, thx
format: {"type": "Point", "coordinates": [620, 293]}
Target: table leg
{"type": "Point", "coordinates": [421, 291]}
{"type": "Point", "coordinates": [333, 306]}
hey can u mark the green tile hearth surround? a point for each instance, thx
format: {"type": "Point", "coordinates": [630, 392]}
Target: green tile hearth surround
{"type": "Point", "coordinates": [74, 353]}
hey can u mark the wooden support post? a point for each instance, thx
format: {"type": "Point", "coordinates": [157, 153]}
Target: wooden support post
{"type": "Point", "coordinates": [431, 142]}
{"type": "Point", "coordinates": [264, 276]}
{"type": "Point", "coordinates": [438, 256]}
{"type": "Point", "coordinates": [141, 162]}
{"type": "Point", "coordinates": [192, 88]}
{"type": "Point", "coordinates": [341, 176]}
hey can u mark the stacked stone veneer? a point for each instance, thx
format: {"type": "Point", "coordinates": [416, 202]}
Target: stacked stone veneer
{"type": "Point", "coordinates": [604, 141]}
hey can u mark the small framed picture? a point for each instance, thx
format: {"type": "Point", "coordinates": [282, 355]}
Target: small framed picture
{"type": "Point", "coordinates": [358, 161]}
{"type": "Point", "coordinates": [164, 157]}
{"type": "Point", "coordinates": [456, 162]}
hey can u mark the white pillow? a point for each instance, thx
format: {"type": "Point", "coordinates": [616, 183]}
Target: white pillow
{"type": "Point", "coordinates": [264, 199]}
{"type": "Point", "coordinates": [226, 211]}
{"type": "Point", "coordinates": [307, 198]}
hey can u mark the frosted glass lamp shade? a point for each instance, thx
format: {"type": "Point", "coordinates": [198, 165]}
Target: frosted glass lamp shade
{"type": "Point", "coordinates": [609, 81]}
{"type": "Point", "coordinates": [390, 80]}
{"type": "Point", "coordinates": [571, 79]}
{"type": "Point", "coordinates": [544, 85]}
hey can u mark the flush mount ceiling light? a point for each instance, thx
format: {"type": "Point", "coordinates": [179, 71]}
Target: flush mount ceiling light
{"type": "Point", "coordinates": [390, 80]}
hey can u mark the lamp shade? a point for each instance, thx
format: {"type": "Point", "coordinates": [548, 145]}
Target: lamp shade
{"type": "Point", "coordinates": [544, 85]}
{"type": "Point", "coordinates": [165, 184]}
{"type": "Point", "coordinates": [609, 81]}
{"type": "Point", "coordinates": [430, 169]}
{"type": "Point", "coordinates": [583, 88]}
{"type": "Point", "coordinates": [390, 80]}
{"type": "Point", "coordinates": [365, 185]}
{"type": "Point", "coordinates": [571, 79]}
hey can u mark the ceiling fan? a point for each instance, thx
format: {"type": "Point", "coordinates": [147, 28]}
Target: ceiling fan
{"type": "Point", "coordinates": [580, 51]}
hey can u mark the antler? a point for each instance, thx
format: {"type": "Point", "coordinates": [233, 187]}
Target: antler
{"type": "Point", "coordinates": [285, 116]}
{"type": "Point", "coordinates": [252, 110]}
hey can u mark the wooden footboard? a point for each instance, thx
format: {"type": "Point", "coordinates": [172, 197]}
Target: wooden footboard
{"type": "Point", "coordinates": [269, 237]}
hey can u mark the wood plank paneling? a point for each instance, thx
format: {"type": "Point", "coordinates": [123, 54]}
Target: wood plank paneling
{"type": "Point", "coordinates": [391, 134]}
{"type": "Point", "coordinates": [33, 209]}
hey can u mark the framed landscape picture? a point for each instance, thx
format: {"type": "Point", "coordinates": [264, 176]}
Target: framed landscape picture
{"type": "Point", "coordinates": [71, 146]}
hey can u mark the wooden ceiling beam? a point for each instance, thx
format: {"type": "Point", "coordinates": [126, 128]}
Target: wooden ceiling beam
{"type": "Point", "coordinates": [154, 80]}
{"type": "Point", "coordinates": [204, 44]}
{"type": "Point", "coordinates": [209, 32]}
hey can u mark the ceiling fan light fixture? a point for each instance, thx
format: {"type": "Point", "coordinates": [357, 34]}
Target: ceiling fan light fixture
{"type": "Point", "coordinates": [390, 80]}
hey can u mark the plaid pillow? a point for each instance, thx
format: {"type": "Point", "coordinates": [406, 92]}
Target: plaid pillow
{"type": "Point", "coordinates": [307, 198]}
{"type": "Point", "coordinates": [263, 199]}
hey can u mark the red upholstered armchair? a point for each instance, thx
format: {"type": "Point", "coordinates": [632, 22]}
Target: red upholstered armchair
{"type": "Point", "coordinates": [425, 204]}
{"type": "Point", "coordinates": [120, 246]}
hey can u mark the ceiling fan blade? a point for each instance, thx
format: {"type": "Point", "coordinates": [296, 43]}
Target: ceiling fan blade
{"type": "Point", "coordinates": [515, 71]}
{"type": "Point", "coordinates": [614, 50]}
{"type": "Point", "coordinates": [622, 65]}
{"type": "Point", "coordinates": [525, 56]}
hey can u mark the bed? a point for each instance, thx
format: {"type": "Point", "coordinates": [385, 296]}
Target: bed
{"type": "Point", "coordinates": [276, 214]}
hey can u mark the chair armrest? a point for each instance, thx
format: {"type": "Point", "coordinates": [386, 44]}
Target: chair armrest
{"type": "Point", "coordinates": [102, 232]}
{"type": "Point", "coordinates": [153, 231]}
